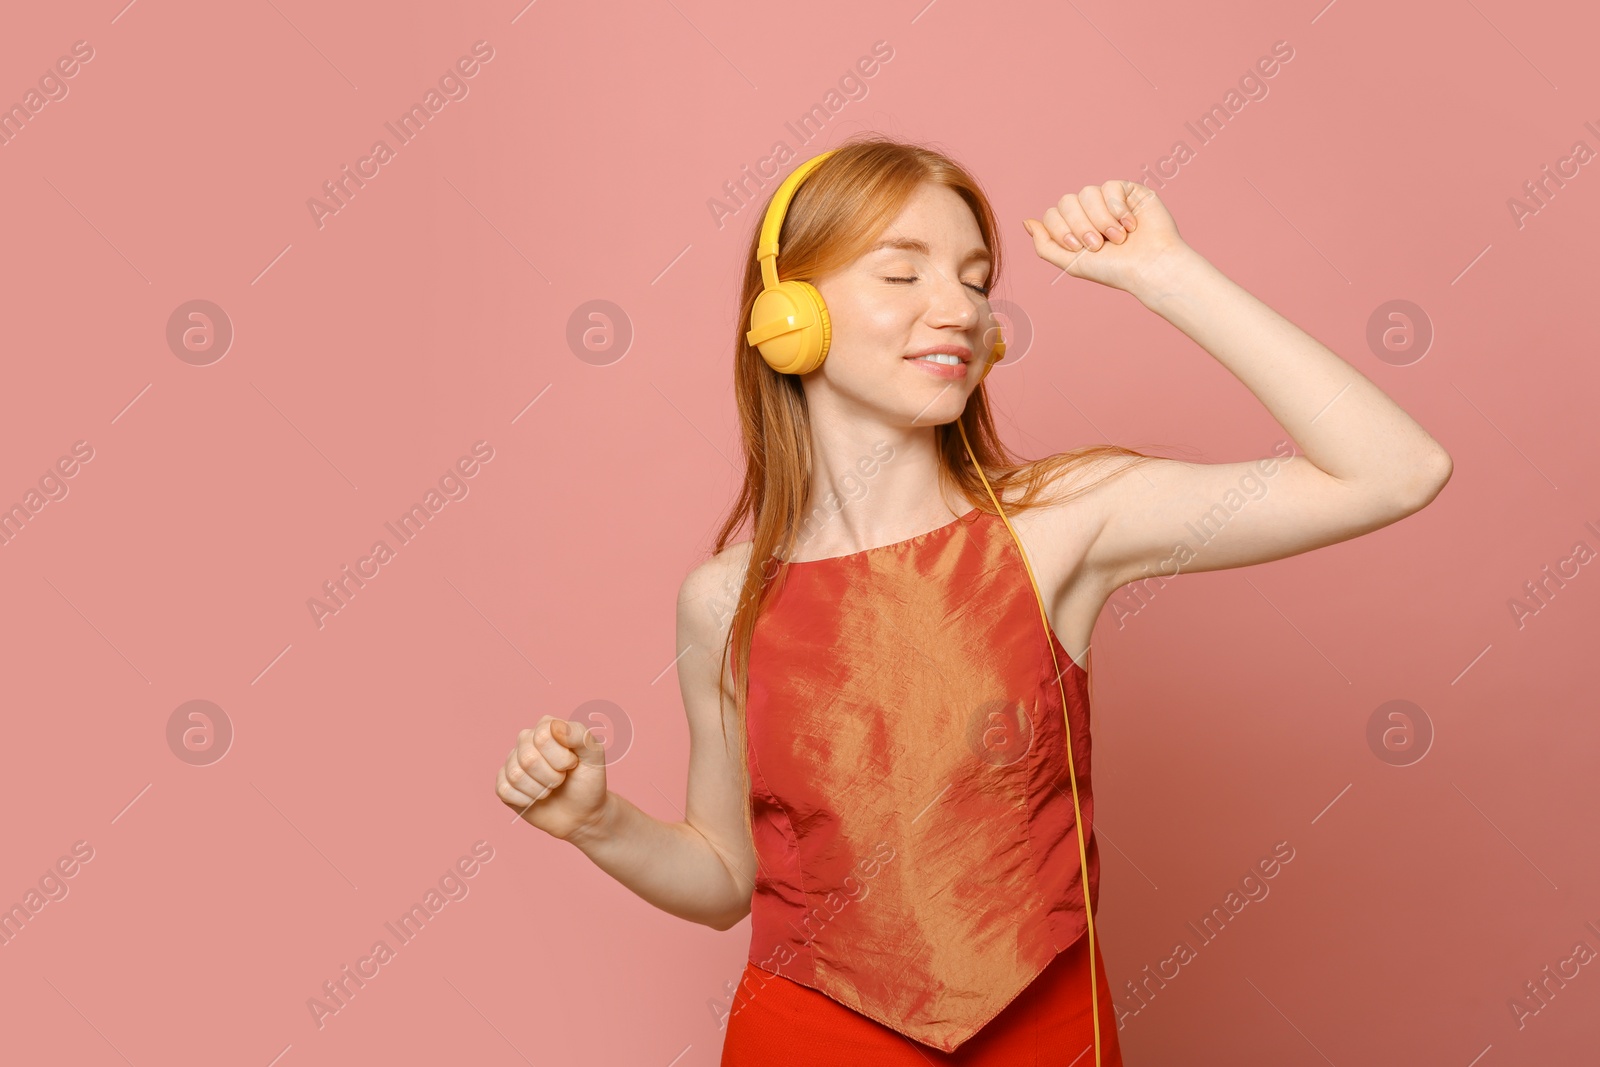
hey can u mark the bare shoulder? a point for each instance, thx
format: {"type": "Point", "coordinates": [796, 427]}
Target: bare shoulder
{"type": "Point", "coordinates": [719, 578]}
{"type": "Point", "coordinates": [1075, 499]}
{"type": "Point", "coordinates": [707, 600]}
{"type": "Point", "coordinates": [1085, 475]}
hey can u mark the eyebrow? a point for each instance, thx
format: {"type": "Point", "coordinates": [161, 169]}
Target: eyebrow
{"type": "Point", "coordinates": [911, 244]}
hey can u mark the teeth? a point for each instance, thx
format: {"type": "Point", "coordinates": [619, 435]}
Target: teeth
{"type": "Point", "coordinates": [941, 357]}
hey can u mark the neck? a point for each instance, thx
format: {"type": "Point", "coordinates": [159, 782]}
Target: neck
{"type": "Point", "coordinates": [871, 485]}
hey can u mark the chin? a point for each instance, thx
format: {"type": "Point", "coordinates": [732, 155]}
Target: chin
{"type": "Point", "coordinates": [946, 408]}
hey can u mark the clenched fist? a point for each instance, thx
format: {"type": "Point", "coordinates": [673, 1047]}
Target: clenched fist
{"type": "Point", "coordinates": [1117, 234]}
{"type": "Point", "coordinates": [555, 777]}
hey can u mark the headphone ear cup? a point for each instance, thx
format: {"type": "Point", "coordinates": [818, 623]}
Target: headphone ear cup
{"type": "Point", "coordinates": [825, 324]}
{"type": "Point", "coordinates": [793, 321]}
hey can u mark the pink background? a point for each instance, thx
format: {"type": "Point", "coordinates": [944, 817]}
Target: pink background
{"type": "Point", "coordinates": [370, 353]}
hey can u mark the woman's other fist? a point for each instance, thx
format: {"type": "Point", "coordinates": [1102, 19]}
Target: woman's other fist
{"type": "Point", "coordinates": [555, 777]}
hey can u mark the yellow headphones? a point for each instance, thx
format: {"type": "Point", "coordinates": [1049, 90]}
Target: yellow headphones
{"type": "Point", "coordinates": [789, 327]}
{"type": "Point", "coordinates": [789, 322]}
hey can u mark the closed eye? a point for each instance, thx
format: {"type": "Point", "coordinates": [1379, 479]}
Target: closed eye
{"type": "Point", "coordinates": [982, 290]}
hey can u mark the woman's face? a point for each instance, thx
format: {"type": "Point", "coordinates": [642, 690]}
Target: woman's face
{"type": "Point", "coordinates": [920, 288]}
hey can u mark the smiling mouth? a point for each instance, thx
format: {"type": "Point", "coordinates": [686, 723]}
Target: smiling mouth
{"type": "Point", "coordinates": [939, 357]}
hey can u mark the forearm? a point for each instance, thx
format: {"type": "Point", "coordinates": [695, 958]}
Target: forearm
{"type": "Point", "coordinates": [1343, 423]}
{"type": "Point", "coordinates": [670, 865]}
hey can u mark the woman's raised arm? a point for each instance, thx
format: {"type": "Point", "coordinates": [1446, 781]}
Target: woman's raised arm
{"type": "Point", "coordinates": [1366, 462]}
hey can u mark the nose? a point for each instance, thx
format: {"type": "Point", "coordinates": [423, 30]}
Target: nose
{"type": "Point", "coordinates": [953, 304]}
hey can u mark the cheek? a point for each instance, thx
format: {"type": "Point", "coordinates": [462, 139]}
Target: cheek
{"type": "Point", "coordinates": [881, 325]}
{"type": "Point", "coordinates": [869, 327]}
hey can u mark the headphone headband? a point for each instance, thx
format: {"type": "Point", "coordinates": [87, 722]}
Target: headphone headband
{"type": "Point", "coordinates": [767, 248]}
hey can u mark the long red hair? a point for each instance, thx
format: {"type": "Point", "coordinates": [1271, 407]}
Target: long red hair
{"type": "Point", "coordinates": [839, 211]}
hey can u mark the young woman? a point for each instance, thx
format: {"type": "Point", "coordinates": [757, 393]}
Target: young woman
{"type": "Point", "coordinates": [882, 773]}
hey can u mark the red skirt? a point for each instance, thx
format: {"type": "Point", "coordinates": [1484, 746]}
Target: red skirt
{"type": "Point", "coordinates": [785, 1024]}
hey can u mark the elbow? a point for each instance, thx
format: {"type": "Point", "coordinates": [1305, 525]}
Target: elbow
{"type": "Point", "coordinates": [1427, 480]}
{"type": "Point", "coordinates": [1439, 469]}
{"type": "Point", "coordinates": [728, 920]}
{"type": "Point", "coordinates": [734, 913]}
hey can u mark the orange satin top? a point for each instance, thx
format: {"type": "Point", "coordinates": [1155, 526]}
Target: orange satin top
{"type": "Point", "coordinates": [918, 859]}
